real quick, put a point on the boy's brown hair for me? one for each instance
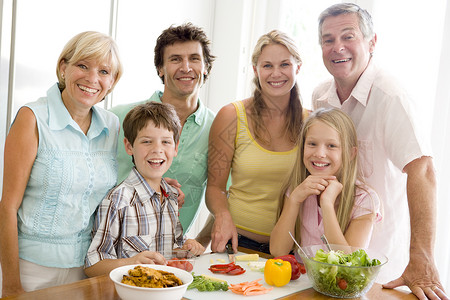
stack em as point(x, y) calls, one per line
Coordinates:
point(161, 114)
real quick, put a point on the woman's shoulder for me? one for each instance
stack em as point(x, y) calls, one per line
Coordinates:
point(227, 112)
point(230, 109)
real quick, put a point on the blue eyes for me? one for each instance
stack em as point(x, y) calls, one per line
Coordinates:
point(311, 144)
point(266, 66)
point(84, 67)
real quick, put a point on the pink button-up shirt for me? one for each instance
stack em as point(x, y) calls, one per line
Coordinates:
point(366, 202)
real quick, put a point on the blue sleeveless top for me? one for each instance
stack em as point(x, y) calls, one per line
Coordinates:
point(70, 176)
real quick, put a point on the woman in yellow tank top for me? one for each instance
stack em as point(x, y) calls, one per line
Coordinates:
point(256, 140)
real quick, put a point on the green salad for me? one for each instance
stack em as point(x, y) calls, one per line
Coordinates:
point(345, 277)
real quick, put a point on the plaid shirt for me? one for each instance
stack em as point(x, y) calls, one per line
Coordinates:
point(131, 219)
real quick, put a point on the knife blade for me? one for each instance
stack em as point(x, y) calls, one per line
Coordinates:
point(230, 252)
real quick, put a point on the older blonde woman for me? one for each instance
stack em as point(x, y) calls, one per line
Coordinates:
point(59, 164)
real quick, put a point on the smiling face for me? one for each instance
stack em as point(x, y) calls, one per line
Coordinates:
point(183, 69)
point(153, 151)
point(87, 83)
point(276, 70)
point(322, 150)
point(345, 52)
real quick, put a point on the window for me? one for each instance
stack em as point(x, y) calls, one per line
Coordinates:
point(40, 37)
point(299, 20)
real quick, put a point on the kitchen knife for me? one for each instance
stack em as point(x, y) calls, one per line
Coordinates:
point(230, 252)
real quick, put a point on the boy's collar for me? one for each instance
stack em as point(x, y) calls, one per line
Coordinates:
point(163, 192)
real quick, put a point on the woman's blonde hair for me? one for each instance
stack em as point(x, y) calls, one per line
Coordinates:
point(294, 111)
point(91, 45)
point(348, 173)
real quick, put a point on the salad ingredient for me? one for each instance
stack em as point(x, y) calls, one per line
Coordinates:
point(180, 263)
point(207, 284)
point(249, 288)
point(277, 272)
point(302, 269)
point(296, 269)
point(230, 269)
point(236, 271)
point(340, 275)
point(257, 266)
point(358, 258)
point(342, 284)
point(247, 257)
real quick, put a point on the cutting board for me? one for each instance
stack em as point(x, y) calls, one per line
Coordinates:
point(203, 262)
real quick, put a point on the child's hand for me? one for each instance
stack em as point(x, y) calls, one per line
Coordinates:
point(312, 185)
point(149, 257)
point(195, 247)
point(331, 192)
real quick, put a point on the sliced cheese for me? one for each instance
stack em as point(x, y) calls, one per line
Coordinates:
point(247, 257)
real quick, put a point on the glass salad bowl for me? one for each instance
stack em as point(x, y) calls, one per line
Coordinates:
point(342, 272)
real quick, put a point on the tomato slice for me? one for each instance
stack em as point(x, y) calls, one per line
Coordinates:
point(302, 268)
point(342, 284)
point(189, 267)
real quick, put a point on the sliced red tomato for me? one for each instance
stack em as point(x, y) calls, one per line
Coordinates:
point(302, 269)
point(342, 284)
point(180, 263)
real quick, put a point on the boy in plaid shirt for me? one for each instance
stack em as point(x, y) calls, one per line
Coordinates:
point(138, 219)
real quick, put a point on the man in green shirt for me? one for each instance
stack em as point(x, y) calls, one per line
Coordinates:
point(183, 61)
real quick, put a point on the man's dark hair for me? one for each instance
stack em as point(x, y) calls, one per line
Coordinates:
point(183, 33)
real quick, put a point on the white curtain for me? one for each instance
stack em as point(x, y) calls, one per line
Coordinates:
point(441, 147)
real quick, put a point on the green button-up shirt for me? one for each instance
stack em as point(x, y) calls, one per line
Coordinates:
point(189, 167)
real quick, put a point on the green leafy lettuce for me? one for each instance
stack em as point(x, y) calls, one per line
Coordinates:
point(344, 277)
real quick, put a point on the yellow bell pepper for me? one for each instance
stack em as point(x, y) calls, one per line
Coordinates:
point(277, 272)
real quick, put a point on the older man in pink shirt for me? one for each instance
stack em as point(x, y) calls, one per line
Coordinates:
point(396, 161)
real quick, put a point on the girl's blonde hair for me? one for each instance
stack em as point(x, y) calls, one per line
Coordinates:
point(294, 112)
point(91, 45)
point(348, 173)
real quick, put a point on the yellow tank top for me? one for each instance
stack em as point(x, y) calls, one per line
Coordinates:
point(257, 176)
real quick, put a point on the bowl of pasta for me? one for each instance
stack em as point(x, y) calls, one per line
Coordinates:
point(156, 282)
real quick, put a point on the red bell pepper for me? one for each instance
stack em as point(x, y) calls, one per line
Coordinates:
point(230, 269)
point(296, 266)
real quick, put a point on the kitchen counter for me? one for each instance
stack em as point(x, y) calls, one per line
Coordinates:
point(101, 287)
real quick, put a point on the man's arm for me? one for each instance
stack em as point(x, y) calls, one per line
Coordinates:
point(421, 274)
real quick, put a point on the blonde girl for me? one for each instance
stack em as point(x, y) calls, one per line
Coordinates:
point(324, 194)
